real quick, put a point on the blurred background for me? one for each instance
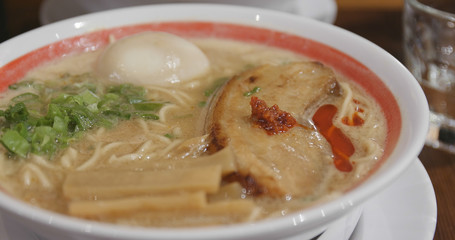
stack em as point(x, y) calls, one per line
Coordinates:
point(379, 21)
point(18, 16)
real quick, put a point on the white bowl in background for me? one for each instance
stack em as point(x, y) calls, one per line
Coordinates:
point(56, 10)
point(377, 71)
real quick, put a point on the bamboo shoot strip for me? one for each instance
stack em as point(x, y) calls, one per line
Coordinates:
point(224, 157)
point(114, 207)
point(117, 183)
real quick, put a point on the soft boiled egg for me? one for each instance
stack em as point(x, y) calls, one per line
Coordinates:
point(152, 58)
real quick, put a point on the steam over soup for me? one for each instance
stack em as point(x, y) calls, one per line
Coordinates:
point(258, 132)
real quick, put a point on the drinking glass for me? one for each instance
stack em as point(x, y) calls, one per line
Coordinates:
point(429, 53)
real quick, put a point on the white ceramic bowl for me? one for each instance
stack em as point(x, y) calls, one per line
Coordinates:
point(377, 71)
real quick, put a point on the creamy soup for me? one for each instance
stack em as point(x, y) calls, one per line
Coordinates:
point(149, 159)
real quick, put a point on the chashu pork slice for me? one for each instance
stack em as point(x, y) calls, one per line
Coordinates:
point(292, 163)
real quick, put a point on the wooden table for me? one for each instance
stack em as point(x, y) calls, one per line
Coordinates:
point(380, 25)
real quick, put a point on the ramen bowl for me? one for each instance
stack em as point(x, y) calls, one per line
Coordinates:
point(381, 75)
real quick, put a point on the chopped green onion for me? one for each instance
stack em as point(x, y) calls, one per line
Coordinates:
point(120, 114)
point(17, 113)
point(147, 106)
point(149, 116)
point(253, 91)
point(44, 122)
point(25, 97)
point(169, 135)
point(20, 85)
point(88, 97)
point(202, 104)
point(44, 140)
point(15, 143)
point(133, 94)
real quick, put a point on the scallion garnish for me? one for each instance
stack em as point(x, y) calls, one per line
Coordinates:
point(43, 123)
point(253, 91)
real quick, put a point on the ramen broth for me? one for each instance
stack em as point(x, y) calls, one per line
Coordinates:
point(176, 142)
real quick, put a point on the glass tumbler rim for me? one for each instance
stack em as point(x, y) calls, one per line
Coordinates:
point(431, 10)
